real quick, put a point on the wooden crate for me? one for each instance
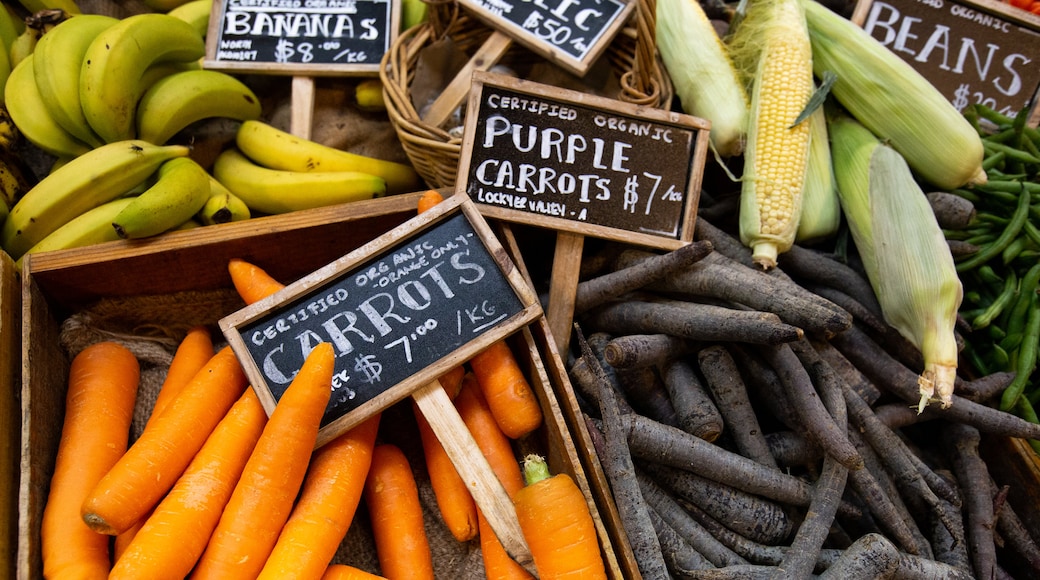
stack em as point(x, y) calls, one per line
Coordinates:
point(10, 339)
point(173, 271)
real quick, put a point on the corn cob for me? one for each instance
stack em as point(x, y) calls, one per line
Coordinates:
point(702, 73)
point(895, 102)
point(821, 209)
point(903, 250)
point(772, 43)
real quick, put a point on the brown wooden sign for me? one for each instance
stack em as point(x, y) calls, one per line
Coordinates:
point(400, 311)
point(570, 33)
point(570, 161)
point(981, 51)
point(301, 37)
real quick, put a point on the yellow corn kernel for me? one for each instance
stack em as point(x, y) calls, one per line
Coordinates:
point(903, 250)
point(773, 42)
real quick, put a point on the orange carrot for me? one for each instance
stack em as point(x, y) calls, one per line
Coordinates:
point(331, 493)
point(498, 450)
point(251, 281)
point(149, 468)
point(271, 479)
point(345, 572)
point(557, 524)
point(506, 390)
point(428, 199)
point(392, 498)
point(99, 406)
point(497, 563)
point(171, 540)
point(193, 352)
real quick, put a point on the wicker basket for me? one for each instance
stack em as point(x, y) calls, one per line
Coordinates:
point(434, 151)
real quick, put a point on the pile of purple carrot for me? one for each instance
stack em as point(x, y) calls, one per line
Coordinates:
point(760, 424)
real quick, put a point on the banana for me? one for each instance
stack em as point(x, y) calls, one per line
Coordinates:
point(30, 115)
point(196, 13)
point(180, 99)
point(117, 58)
point(163, 5)
point(93, 226)
point(70, 7)
point(368, 94)
point(271, 147)
point(58, 60)
point(179, 193)
point(16, 179)
point(5, 71)
point(9, 28)
point(9, 133)
point(272, 191)
point(24, 44)
point(222, 206)
point(97, 176)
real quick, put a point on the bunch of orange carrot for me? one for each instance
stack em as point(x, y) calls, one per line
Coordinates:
point(215, 488)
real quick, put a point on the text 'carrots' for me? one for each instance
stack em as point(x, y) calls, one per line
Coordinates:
point(392, 498)
point(148, 470)
point(271, 479)
point(99, 405)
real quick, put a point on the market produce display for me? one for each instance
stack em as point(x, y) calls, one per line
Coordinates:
point(805, 390)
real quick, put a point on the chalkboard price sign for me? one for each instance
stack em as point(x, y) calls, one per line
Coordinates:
point(575, 162)
point(301, 37)
point(973, 51)
point(570, 33)
point(399, 311)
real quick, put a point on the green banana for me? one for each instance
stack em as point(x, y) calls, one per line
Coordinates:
point(24, 44)
point(5, 71)
point(116, 60)
point(222, 206)
point(180, 99)
point(196, 13)
point(85, 182)
point(271, 147)
point(178, 194)
point(273, 191)
point(30, 115)
point(69, 6)
point(58, 60)
point(9, 29)
point(93, 226)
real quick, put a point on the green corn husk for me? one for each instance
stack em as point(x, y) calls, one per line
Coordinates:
point(702, 73)
point(821, 209)
point(895, 102)
point(903, 250)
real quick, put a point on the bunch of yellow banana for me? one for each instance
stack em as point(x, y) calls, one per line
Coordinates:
point(95, 79)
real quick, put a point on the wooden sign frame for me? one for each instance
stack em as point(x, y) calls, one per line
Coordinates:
point(583, 105)
point(320, 37)
point(957, 59)
point(545, 29)
point(234, 324)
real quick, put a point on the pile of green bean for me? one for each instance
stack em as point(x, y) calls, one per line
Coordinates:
point(1001, 277)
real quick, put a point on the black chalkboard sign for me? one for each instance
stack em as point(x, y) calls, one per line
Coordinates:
point(301, 37)
point(575, 162)
point(973, 51)
point(400, 311)
point(570, 33)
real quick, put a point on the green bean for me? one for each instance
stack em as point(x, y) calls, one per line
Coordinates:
point(966, 194)
point(1011, 152)
point(993, 160)
point(1025, 357)
point(1032, 232)
point(1008, 186)
point(998, 305)
point(1026, 411)
point(989, 218)
point(1005, 238)
point(987, 275)
point(1001, 359)
point(981, 239)
point(1014, 249)
point(976, 360)
point(1003, 136)
point(1029, 284)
